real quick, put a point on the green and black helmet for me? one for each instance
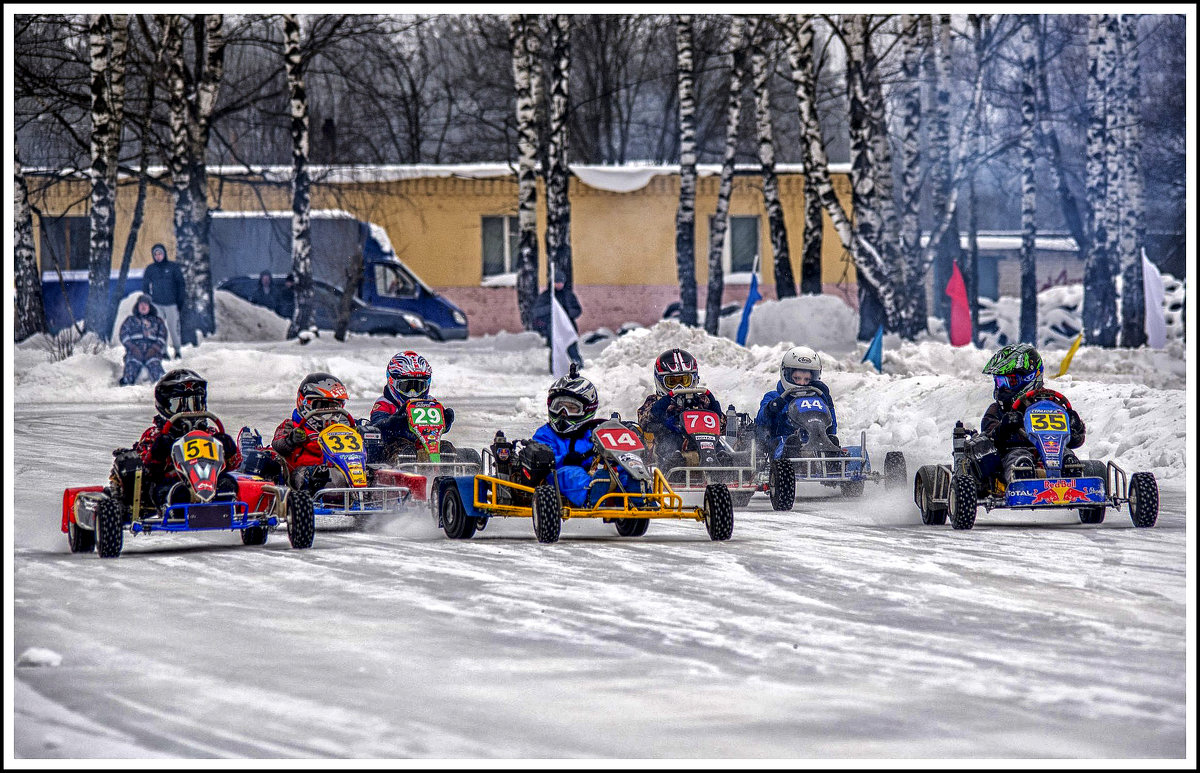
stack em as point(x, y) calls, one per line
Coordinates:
point(1017, 368)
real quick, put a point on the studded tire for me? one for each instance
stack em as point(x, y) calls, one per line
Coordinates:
point(110, 528)
point(1143, 499)
point(718, 512)
point(301, 522)
point(254, 535)
point(782, 484)
point(963, 501)
point(895, 470)
point(631, 527)
point(547, 514)
point(455, 522)
point(79, 539)
point(931, 514)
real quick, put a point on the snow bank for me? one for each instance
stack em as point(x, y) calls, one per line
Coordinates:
point(1133, 401)
point(38, 656)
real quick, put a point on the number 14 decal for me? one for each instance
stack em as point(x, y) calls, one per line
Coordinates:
point(619, 438)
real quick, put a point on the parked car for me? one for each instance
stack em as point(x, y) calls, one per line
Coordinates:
point(327, 299)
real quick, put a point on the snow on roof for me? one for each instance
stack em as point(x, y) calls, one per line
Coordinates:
point(1012, 241)
point(623, 178)
point(324, 214)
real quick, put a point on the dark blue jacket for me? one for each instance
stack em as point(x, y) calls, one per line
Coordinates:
point(391, 419)
point(671, 419)
point(163, 282)
point(772, 417)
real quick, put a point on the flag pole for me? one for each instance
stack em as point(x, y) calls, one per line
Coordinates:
point(550, 320)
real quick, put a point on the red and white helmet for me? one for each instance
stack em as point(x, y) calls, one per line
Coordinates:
point(408, 376)
point(319, 391)
point(673, 369)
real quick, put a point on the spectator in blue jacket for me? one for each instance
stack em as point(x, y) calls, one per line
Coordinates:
point(800, 368)
point(144, 336)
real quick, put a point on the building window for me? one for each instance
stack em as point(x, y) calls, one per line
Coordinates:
point(65, 242)
point(500, 238)
point(741, 245)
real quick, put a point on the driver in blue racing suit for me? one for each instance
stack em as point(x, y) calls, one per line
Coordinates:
point(571, 404)
point(800, 367)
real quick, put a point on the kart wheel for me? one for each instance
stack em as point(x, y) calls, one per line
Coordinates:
point(853, 489)
point(631, 527)
point(1091, 515)
point(110, 528)
point(1143, 499)
point(782, 482)
point(963, 503)
point(931, 515)
point(469, 456)
point(718, 512)
point(895, 471)
point(741, 498)
point(547, 514)
point(254, 535)
point(455, 522)
point(301, 522)
point(81, 540)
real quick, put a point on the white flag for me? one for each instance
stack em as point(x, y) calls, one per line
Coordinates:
point(1156, 319)
point(562, 335)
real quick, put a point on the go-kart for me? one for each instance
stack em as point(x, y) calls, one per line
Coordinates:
point(705, 454)
point(413, 466)
point(1091, 486)
point(97, 517)
point(519, 481)
point(808, 455)
point(344, 486)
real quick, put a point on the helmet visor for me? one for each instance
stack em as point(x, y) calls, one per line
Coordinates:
point(799, 375)
point(416, 386)
point(567, 406)
point(1011, 381)
point(678, 380)
point(323, 403)
point(189, 401)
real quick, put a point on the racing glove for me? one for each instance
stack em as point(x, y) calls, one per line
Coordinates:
point(776, 405)
point(297, 436)
point(449, 414)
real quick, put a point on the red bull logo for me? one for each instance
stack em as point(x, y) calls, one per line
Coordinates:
point(1060, 492)
point(1050, 446)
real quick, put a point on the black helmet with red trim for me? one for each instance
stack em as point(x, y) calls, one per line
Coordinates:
point(673, 369)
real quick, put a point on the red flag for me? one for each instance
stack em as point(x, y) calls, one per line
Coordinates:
point(960, 310)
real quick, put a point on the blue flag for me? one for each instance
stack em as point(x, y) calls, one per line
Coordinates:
point(874, 353)
point(752, 298)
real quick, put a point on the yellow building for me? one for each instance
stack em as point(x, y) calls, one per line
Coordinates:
point(455, 227)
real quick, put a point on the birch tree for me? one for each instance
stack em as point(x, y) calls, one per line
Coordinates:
point(720, 218)
point(800, 59)
point(685, 217)
point(558, 174)
point(302, 268)
point(109, 37)
point(785, 283)
point(913, 42)
point(1099, 292)
point(1133, 229)
point(30, 312)
point(1028, 326)
point(1053, 149)
point(524, 46)
point(192, 98)
point(947, 245)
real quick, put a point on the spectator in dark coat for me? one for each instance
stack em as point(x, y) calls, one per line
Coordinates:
point(144, 336)
point(285, 305)
point(163, 281)
point(266, 294)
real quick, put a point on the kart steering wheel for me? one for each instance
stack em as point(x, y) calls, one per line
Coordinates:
point(1032, 396)
point(326, 412)
point(193, 418)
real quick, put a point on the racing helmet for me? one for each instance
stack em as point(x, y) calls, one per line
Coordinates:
point(318, 391)
point(408, 376)
point(798, 358)
point(180, 390)
point(572, 400)
point(1016, 369)
point(673, 369)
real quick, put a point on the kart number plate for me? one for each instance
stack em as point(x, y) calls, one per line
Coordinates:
point(1048, 421)
point(341, 440)
point(618, 439)
point(199, 448)
point(701, 422)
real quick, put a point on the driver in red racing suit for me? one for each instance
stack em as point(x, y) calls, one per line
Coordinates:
point(179, 391)
point(296, 440)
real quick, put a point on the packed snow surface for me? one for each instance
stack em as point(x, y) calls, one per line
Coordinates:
point(844, 629)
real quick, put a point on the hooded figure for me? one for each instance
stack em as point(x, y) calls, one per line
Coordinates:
point(144, 336)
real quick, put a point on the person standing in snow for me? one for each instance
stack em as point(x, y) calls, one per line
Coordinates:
point(144, 336)
point(163, 282)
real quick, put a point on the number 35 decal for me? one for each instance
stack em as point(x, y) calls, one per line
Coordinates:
point(1048, 422)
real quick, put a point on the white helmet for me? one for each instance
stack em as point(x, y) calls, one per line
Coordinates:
point(798, 358)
